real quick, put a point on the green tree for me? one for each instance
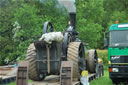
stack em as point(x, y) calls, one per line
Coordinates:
point(120, 16)
point(21, 21)
point(114, 10)
point(7, 46)
point(89, 20)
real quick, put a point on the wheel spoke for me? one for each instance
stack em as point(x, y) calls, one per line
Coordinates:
point(80, 50)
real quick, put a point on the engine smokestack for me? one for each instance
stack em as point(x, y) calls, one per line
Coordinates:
point(71, 7)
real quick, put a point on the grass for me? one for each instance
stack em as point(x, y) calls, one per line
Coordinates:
point(14, 83)
point(105, 80)
point(103, 54)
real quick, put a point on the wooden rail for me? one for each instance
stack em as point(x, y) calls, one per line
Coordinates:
point(7, 74)
point(22, 73)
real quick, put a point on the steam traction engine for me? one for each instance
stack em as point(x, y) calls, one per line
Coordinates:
point(45, 59)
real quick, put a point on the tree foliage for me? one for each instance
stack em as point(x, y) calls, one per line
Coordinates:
point(21, 22)
point(89, 21)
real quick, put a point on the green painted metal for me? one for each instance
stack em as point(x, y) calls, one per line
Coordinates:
point(115, 27)
point(113, 51)
point(119, 63)
point(117, 51)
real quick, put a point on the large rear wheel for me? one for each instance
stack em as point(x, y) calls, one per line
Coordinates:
point(76, 54)
point(31, 58)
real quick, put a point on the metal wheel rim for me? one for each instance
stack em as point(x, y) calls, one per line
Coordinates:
point(81, 58)
point(95, 59)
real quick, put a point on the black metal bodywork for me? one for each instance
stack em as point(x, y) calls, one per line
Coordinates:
point(121, 59)
point(123, 72)
point(121, 76)
point(55, 57)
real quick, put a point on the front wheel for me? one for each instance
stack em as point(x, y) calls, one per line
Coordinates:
point(92, 61)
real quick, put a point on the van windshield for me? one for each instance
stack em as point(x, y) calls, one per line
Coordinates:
point(118, 38)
